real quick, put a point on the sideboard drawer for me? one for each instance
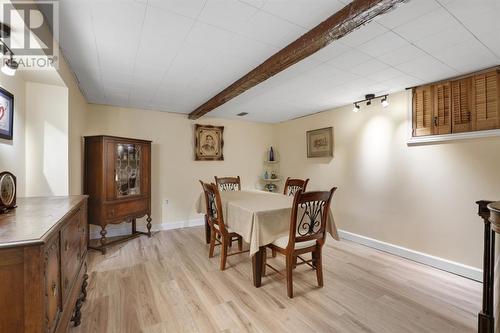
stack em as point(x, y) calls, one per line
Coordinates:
point(52, 285)
point(71, 252)
point(124, 209)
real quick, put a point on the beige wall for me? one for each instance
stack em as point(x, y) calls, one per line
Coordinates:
point(46, 140)
point(77, 123)
point(175, 174)
point(12, 153)
point(419, 197)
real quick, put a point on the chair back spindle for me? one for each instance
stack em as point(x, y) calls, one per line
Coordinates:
point(228, 183)
point(292, 185)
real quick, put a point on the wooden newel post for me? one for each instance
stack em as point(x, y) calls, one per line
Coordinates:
point(486, 319)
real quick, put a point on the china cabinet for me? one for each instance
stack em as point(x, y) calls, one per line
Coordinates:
point(118, 182)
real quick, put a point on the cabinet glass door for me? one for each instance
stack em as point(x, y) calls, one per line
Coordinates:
point(128, 170)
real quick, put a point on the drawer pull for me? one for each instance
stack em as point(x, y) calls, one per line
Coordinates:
point(54, 289)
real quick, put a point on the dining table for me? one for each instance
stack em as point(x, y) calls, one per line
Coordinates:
point(260, 217)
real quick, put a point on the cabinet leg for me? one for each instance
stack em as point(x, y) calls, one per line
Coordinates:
point(77, 316)
point(103, 239)
point(84, 287)
point(134, 226)
point(148, 225)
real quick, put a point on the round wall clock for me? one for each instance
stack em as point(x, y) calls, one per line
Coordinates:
point(7, 191)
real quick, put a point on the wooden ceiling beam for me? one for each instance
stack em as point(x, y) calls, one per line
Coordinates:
point(352, 16)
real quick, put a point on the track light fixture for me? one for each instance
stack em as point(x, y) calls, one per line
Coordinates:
point(368, 99)
point(9, 66)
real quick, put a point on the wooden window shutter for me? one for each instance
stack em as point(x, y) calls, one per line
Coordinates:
point(485, 94)
point(442, 108)
point(461, 105)
point(422, 111)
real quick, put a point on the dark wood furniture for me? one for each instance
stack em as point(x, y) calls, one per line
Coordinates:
point(219, 233)
point(228, 183)
point(307, 234)
point(43, 250)
point(464, 104)
point(118, 182)
point(489, 211)
point(224, 184)
point(292, 185)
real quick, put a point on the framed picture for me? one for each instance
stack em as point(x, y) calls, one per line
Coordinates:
point(209, 143)
point(320, 142)
point(6, 114)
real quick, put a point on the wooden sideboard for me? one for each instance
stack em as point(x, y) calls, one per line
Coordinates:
point(43, 249)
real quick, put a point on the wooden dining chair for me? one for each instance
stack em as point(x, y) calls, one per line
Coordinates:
point(292, 185)
point(307, 233)
point(220, 234)
point(228, 183)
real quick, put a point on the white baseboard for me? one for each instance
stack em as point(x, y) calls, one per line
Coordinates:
point(182, 224)
point(423, 258)
point(125, 228)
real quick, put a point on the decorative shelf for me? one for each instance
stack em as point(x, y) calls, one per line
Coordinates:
point(271, 179)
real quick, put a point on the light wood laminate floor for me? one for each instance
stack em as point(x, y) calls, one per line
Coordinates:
point(168, 284)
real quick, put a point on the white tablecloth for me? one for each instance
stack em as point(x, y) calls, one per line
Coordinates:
point(259, 217)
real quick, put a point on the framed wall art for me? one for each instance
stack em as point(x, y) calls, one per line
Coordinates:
point(320, 142)
point(209, 143)
point(6, 114)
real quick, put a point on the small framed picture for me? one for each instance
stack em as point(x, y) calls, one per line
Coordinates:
point(320, 142)
point(209, 143)
point(6, 114)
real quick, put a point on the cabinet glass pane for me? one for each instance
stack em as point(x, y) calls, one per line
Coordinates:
point(128, 170)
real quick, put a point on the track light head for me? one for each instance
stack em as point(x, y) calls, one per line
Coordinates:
point(356, 107)
point(384, 102)
point(10, 66)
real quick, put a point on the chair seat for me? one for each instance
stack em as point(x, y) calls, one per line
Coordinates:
point(216, 226)
point(282, 242)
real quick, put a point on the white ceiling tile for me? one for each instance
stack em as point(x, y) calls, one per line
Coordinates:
point(384, 43)
point(427, 68)
point(303, 12)
point(189, 8)
point(406, 12)
point(162, 35)
point(368, 67)
point(349, 59)
point(117, 48)
point(384, 74)
point(271, 29)
point(331, 51)
point(401, 55)
point(227, 14)
point(491, 41)
point(426, 25)
point(445, 39)
point(467, 56)
point(255, 3)
point(363, 34)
